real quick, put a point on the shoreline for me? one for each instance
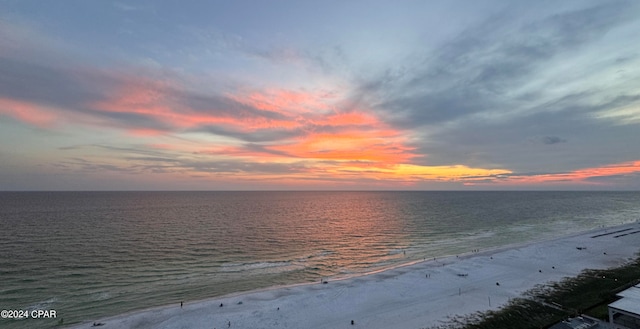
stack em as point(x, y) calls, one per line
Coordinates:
point(417, 294)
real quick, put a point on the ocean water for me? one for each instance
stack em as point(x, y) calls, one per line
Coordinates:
point(88, 255)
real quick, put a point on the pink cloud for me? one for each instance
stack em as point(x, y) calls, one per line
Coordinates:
point(30, 113)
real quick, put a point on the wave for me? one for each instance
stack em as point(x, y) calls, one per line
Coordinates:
point(262, 267)
point(41, 305)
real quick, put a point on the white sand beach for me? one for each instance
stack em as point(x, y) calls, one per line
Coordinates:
point(420, 295)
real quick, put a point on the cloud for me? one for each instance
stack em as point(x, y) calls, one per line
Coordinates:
point(27, 112)
point(49, 85)
point(299, 124)
point(595, 175)
point(496, 104)
point(481, 98)
point(119, 100)
point(486, 67)
point(550, 140)
point(140, 159)
point(255, 136)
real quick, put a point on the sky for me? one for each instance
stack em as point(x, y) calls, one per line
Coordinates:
point(319, 95)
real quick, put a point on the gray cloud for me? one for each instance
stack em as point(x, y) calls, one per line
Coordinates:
point(243, 167)
point(550, 140)
point(140, 159)
point(263, 135)
point(263, 149)
point(213, 104)
point(517, 145)
point(481, 68)
point(45, 84)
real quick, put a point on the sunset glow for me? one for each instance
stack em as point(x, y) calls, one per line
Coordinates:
point(501, 96)
point(583, 176)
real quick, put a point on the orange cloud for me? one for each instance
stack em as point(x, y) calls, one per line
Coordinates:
point(580, 176)
point(610, 170)
point(411, 173)
point(330, 140)
point(286, 102)
point(355, 136)
point(341, 146)
point(355, 145)
point(243, 152)
point(444, 173)
point(347, 119)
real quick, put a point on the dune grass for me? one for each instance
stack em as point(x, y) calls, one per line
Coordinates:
point(588, 293)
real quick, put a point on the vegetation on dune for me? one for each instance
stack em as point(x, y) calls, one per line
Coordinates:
point(588, 293)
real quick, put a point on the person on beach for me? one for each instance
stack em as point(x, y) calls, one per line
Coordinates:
point(181, 304)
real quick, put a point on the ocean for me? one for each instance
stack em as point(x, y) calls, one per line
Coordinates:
point(89, 255)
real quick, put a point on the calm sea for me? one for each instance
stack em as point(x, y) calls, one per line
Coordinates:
point(93, 254)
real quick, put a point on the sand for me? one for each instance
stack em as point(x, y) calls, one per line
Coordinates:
point(420, 295)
